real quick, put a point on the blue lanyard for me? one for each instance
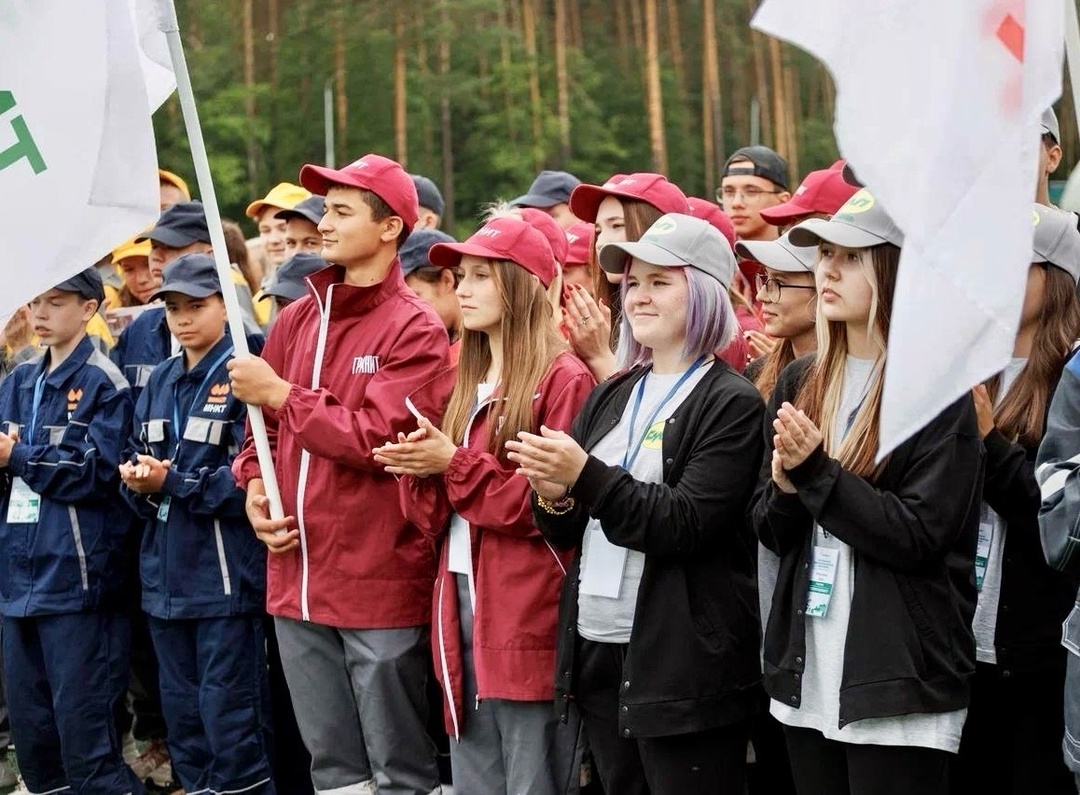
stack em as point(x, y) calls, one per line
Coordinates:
point(39, 387)
point(202, 387)
point(632, 449)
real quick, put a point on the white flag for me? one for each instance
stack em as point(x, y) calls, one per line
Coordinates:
point(937, 111)
point(78, 166)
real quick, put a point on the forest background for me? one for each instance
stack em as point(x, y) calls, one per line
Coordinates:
point(480, 95)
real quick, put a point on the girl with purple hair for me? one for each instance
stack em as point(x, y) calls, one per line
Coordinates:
point(658, 622)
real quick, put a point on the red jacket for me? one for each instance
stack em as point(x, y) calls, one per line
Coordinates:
point(352, 354)
point(518, 576)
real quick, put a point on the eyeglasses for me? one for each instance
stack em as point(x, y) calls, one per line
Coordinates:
point(750, 194)
point(772, 288)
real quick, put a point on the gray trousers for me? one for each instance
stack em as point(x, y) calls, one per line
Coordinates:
point(360, 703)
point(506, 746)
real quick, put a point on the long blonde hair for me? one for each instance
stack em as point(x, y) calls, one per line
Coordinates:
point(530, 343)
point(821, 392)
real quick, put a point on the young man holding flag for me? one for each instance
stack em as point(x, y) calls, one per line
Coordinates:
point(349, 581)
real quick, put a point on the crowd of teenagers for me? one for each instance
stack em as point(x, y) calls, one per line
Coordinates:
point(589, 502)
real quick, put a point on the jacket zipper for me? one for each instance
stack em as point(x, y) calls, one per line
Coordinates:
point(448, 682)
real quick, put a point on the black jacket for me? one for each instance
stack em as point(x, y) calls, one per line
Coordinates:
point(1034, 599)
point(910, 647)
point(692, 662)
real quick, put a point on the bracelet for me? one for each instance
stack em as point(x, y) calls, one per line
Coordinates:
point(558, 508)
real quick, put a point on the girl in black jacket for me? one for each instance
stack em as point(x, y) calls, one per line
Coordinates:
point(658, 627)
point(1016, 714)
point(868, 649)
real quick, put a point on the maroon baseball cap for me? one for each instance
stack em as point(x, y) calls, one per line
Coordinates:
point(823, 191)
point(501, 238)
point(380, 175)
point(708, 211)
point(580, 238)
point(549, 228)
point(644, 186)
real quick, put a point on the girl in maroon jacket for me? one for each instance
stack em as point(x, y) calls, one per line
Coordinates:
point(496, 597)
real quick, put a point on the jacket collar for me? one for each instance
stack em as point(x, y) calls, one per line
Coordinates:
point(200, 370)
point(58, 377)
point(349, 299)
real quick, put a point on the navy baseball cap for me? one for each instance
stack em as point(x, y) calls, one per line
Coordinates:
point(758, 161)
point(428, 195)
point(180, 225)
point(414, 252)
point(310, 209)
point(289, 280)
point(87, 284)
point(548, 189)
point(194, 275)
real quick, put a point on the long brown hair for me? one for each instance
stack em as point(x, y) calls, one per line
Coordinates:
point(820, 394)
point(530, 343)
point(772, 365)
point(1022, 411)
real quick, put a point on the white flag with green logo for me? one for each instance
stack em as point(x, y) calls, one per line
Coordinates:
point(78, 165)
point(937, 110)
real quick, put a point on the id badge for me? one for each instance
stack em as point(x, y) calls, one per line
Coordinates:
point(986, 540)
point(604, 566)
point(24, 506)
point(163, 510)
point(822, 579)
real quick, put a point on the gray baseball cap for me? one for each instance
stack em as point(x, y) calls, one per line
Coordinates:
point(676, 241)
point(862, 222)
point(1049, 122)
point(780, 254)
point(1057, 239)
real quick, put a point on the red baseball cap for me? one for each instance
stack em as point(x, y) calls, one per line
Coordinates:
point(708, 211)
point(823, 191)
point(580, 239)
point(380, 175)
point(549, 228)
point(644, 186)
point(501, 238)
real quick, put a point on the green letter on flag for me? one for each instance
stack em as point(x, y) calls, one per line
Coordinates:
point(25, 147)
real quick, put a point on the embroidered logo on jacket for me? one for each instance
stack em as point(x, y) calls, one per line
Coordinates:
point(368, 365)
point(74, 396)
point(216, 400)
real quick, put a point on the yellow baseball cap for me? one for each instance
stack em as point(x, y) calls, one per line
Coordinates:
point(129, 248)
point(284, 196)
point(176, 181)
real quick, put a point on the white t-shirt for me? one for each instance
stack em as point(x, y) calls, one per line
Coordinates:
point(991, 529)
point(610, 619)
point(826, 638)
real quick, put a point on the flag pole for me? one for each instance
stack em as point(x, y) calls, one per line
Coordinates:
point(171, 28)
point(1072, 54)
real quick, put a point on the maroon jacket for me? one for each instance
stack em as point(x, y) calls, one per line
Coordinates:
point(518, 576)
point(352, 354)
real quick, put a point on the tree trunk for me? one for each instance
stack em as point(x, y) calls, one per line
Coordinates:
point(505, 23)
point(274, 30)
point(536, 108)
point(654, 103)
point(622, 38)
point(793, 113)
point(682, 91)
point(341, 101)
point(249, 94)
point(445, 127)
point(779, 101)
point(761, 80)
point(562, 81)
point(711, 124)
point(401, 116)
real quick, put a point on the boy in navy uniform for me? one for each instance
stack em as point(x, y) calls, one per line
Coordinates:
point(62, 526)
point(203, 571)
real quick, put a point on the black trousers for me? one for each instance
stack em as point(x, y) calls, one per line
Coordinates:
point(1012, 738)
point(709, 762)
point(829, 767)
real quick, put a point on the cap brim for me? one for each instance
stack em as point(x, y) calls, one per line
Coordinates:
point(318, 179)
point(448, 255)
point(770, 254)
point(613, 256)
point(783, 214)
point(184, 288)
point(534, 200)
point(812, 232)
point(168, 237)
point(285, 215)
point(286, 293)
point(585, 201)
